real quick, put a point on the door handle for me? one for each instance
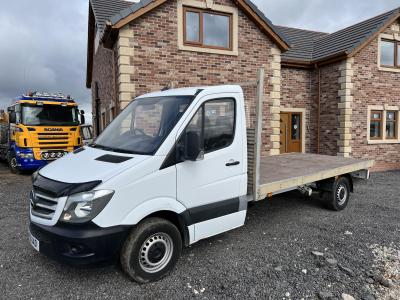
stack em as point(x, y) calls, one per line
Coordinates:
point(232, 163)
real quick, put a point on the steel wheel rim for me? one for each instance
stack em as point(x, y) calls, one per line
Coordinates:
point(156, 252)
point(341, 195)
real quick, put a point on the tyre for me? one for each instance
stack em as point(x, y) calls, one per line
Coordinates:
point(151, 250)
point(340, 194)
point(12, 163)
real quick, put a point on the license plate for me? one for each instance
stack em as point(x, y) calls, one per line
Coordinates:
point(34, 242)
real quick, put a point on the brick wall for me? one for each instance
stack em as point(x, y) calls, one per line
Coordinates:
point(298, 91)
point(329, 113)
point(103, 77)
point(147, 58)
point(157, 61)
point(373, 87)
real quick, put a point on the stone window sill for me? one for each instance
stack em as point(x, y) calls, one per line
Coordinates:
point(208, 50)
point(383, 142)
point(393, 70)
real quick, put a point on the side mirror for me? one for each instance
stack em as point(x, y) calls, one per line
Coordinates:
point(82, 115)
point(193, 150)
point(13, 117)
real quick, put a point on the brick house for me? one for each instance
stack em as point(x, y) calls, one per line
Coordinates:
point(332, 94)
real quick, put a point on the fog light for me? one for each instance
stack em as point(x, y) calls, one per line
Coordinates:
point(76, 249)
point(67, 217)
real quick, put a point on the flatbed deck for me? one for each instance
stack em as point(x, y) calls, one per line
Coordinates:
point(286, 172)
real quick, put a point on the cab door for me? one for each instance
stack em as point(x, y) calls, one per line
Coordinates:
point(210, 186)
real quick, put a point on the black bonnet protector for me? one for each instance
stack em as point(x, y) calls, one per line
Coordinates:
point(62, 189)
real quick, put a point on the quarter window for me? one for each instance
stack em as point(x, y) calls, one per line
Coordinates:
point(207, 29)
point(376, 125)
point(390, 54)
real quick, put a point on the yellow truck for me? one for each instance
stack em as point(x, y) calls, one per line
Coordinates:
point(39, 128)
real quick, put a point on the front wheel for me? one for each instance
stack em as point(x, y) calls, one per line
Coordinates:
point(340, 194)
point(12, 162)
point(151, 250)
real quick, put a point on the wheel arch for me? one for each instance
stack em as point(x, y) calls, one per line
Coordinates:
point(350, 179)
point(175, 219)
point(166, 208)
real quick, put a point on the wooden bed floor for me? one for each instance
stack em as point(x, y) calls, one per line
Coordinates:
point(288, 170)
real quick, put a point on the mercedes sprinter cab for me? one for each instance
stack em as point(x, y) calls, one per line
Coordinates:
point(169, 171)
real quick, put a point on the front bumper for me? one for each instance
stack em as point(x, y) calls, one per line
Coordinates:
point(80, 245)
point(25, 164)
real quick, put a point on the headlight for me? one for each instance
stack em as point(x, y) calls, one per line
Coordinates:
point(83, 207)
point(25, 155)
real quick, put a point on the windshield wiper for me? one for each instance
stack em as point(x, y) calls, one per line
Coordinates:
point(97, 146)
point(106, 148)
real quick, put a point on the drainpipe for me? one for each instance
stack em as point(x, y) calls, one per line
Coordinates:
point(116, 104)
point(117, 107)
point(318, 109)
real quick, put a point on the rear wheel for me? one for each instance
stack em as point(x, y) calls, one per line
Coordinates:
point(12, 162)
point(151, 250)
point(340, 195)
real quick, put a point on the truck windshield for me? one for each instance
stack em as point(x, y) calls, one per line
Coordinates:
point(49, 115)
point(143, 125)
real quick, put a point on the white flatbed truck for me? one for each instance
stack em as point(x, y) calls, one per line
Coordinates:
point(173, 168)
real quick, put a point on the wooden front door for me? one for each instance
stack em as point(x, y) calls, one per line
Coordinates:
point(291, 132)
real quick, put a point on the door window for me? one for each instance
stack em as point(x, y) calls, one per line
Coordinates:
point(215, 124)
point(219, 124)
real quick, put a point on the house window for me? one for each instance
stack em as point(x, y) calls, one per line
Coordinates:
point(383, 126)
point(376, 125)
point(206, 29)
point(398, 54)
point(391, 125)
point(390, 54)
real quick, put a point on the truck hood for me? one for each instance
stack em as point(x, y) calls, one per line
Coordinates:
point(89, 164)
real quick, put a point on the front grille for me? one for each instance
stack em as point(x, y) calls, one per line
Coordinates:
point(53, 154)
point(42, 205)
point(54, 138)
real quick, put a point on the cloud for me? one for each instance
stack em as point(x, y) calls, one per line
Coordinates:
point(323, 15)
point(45, 48)
point(44, 41)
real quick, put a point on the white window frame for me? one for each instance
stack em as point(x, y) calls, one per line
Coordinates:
point(384, 109)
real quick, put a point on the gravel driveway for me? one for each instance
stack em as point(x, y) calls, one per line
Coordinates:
point(290, 248)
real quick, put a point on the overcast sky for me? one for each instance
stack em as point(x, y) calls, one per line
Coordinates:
point(43, 42)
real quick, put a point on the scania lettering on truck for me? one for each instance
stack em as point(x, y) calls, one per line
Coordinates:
point(170, 170)
point(40, 128)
